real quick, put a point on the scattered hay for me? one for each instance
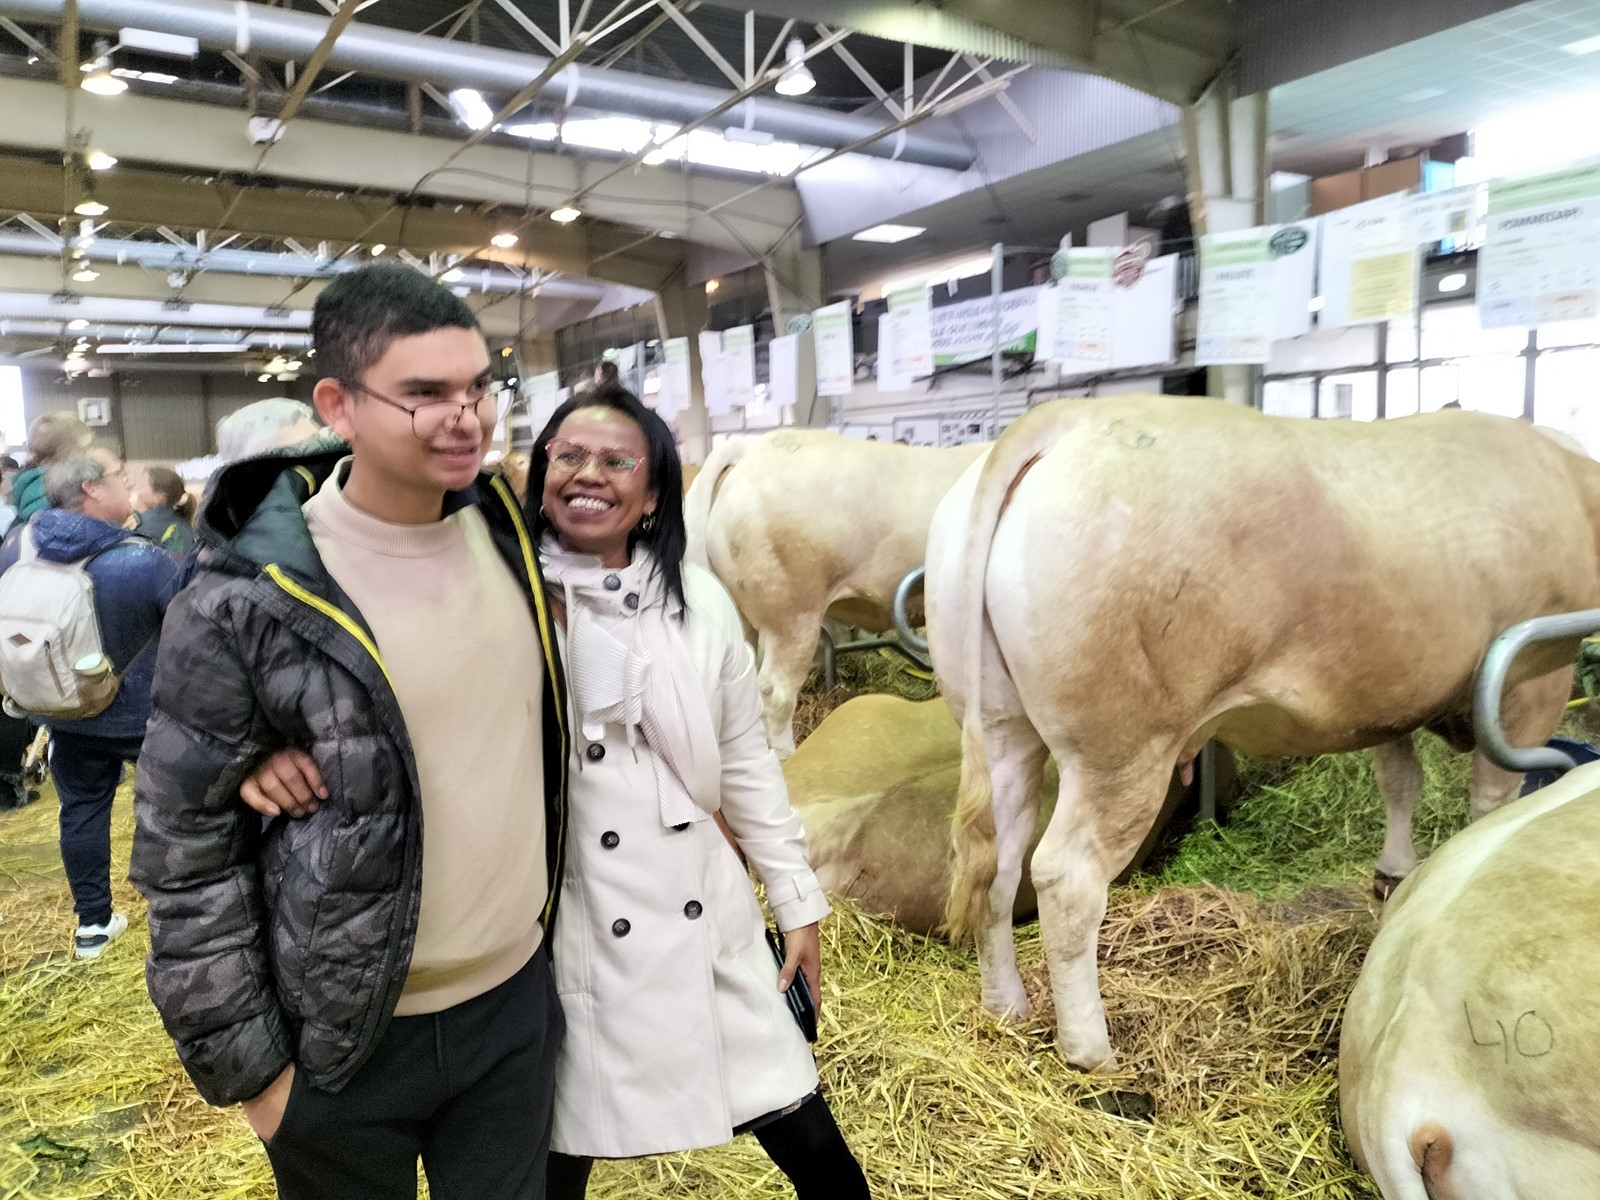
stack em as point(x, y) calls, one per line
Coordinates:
point(1224, 1007)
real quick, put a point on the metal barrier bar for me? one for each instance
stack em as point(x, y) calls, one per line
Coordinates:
point(909, 637)
point(1491, 684)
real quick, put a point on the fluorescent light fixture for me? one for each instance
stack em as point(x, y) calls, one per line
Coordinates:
point(565, 215)
point(505, 239)
point(1316, 304)
point(99, 160)
point(750, 137)
point(889, 234)
point(798, 79)
point(1586, 45)
point(172, 348)
point(86, 274)
point(263, 378)
point(471, 109)
point(378, 249)
point(90, 208)
point(77, 323)
point(172, 45)
point(97, 76)
point(453, 275)
point(1453, 283)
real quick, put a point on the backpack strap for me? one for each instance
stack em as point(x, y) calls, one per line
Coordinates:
point(26, 550)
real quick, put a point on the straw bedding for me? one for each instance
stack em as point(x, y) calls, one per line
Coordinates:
point(1224, 1006)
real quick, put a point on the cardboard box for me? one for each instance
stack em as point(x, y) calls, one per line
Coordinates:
point(1386, 179)
point(1335, 191)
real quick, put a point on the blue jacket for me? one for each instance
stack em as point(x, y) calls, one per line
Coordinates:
point(133, 582)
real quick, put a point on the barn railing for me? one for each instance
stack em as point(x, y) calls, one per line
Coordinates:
point(1491, 686)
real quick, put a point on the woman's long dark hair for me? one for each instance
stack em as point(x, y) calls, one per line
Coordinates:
point(168, 484)
point(667, 538)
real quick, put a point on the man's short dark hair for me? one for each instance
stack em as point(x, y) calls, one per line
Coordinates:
point(359, 315)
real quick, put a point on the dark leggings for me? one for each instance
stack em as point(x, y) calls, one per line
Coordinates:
point(806, 1145)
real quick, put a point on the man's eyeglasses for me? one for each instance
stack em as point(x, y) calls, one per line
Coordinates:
point(433, 417)
point(570, 458)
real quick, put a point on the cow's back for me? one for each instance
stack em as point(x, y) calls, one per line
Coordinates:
point(1292, 586)
point(811, 517)
point(1471, 1043)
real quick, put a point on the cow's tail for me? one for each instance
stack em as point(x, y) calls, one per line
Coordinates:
point(697, 504)
point(972, 828)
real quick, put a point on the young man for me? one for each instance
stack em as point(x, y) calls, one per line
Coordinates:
point(369, 982)
point(89, 500)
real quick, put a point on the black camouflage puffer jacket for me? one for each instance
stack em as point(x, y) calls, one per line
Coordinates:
point(291, 943)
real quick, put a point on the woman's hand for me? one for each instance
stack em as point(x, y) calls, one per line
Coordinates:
point(803, 952)
point(288, 782)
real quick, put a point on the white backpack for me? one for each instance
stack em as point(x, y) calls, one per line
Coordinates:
point(52, 662)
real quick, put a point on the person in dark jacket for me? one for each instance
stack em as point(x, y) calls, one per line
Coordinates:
point(372, 996)
point(89, 500)
point(51, 438)
point(165, 511)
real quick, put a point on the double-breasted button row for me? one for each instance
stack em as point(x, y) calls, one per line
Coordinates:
point(631, 600)
point(613, 583)
point(620, 927)
point(609, 839)
point(692, 910)
point(595, 752)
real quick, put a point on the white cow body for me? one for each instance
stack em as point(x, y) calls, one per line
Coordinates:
point(803, 525)
point(1125, 578)
point(1469, 1063)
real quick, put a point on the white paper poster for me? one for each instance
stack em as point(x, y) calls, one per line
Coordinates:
point(674, 395)
point(713, 373)
point(783, 372)
point(892, 375)
point(1541, 256)
point(911, 314)
point(1082, 341)
point(739, 364)
point(1369, 263)
point(1143, 329)
point(1440, 216)
point(964, 331)
point(834, 340)
point(1237, 298)
point(543, 393)
point(1045, 345)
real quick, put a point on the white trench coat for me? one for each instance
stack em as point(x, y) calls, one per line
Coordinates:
point(676, 1032)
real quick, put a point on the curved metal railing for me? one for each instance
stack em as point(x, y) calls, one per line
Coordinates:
point(1491, 684)
point(902, 622)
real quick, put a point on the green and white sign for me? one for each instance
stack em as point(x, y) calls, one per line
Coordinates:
point(1541, 256)
point(834, 342)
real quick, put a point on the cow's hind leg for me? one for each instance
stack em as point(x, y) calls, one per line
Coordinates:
point(1530, 713)
point(1101, 817)
point(1015, 757)
point(786, 654)
point(1400, 784)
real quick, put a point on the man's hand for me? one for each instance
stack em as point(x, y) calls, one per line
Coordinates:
point(288, 782)
point(265, 1112)
point(803, 952)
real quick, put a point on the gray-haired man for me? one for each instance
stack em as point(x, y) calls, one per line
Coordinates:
point(133, 581)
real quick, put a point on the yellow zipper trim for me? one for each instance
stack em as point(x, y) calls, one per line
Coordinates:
point(311, 480)
point(341, 618)
point(530, 565)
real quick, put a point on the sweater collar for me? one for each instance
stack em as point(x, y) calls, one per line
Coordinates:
point(350, 525)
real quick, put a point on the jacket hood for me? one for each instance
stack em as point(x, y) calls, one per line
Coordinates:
point(27, 493)
point(63, 536)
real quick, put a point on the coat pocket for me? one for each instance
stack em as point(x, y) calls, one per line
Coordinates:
point(569, 950)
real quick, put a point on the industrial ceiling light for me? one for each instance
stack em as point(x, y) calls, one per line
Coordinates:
point(798, 79)
point(471, 109)
point(263, 378)
point(90, 208)
point(77, 323)
point(86, 274)
point(505, 239)
point(889, 234)
point(99, 160)
point(453, 275)
point(565, 215)
point(377, 249)
point(97, 76)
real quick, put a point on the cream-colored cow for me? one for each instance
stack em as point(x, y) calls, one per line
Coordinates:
point(1124, 578)
point(804, 524)
point(1469, 1064)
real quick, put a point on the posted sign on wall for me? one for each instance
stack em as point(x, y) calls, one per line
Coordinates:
point(1541, 256)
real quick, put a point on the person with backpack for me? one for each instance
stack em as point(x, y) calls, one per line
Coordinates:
point(81, 604)
point(166, 510)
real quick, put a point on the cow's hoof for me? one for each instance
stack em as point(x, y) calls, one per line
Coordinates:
point(1384, 884)
point(1009, 1007)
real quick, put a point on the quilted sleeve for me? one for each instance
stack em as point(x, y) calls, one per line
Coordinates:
point(194, 858)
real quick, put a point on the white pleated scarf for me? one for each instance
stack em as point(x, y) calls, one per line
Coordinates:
point(632, 668)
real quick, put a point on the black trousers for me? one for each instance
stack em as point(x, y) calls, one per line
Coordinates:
point(806, 1145)
point(87, 771)
point(470, 1091)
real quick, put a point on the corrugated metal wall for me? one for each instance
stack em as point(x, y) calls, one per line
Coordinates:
point(1284, 40)
point(156, 416)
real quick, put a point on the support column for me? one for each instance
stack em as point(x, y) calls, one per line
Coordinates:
point(795, 288)
point(1225, 136)
point(681, 312)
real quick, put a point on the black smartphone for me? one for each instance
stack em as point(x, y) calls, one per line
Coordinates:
point(799, 994)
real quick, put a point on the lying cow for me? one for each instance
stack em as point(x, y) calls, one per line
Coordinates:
point(800, 525)
point(875, 787)
point(1469, 1065)
point(1124, 578)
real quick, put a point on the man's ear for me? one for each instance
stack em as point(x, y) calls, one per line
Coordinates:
point(334, 403)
